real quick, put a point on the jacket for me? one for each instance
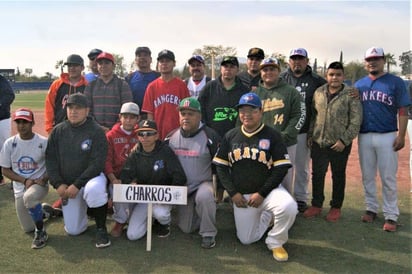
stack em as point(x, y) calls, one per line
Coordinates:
point(6, 98)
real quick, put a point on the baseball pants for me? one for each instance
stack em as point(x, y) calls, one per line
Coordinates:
point(92, 195)
point(200, 212)
point(251, 223)
point(120, 210)
point(287, 181)
point(376, 153)
point(25, 199)
point(301, 167)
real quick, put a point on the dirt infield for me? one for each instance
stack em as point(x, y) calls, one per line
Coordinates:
point(354, 181)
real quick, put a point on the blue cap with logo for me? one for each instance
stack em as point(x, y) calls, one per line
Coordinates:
point(249, 99)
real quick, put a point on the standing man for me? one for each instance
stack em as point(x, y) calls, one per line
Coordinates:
point(163, 95)
point(108, 93)
point(75, 160)
point(22, 159)
point(251, 77)
point(6, 99)
point(71, 82)
point(306, 81)
point(195, 145)
point(335, 122)
point(94, 73)
point(385, 102)
point(198, 78)
point(283, 109)
point(142, 77)
point(251, 162)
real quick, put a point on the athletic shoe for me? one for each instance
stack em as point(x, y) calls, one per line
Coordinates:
point(117, 230)
point(102, 238)
point(40, 239)
point(208, 242)
point(50, 212)
point(57, 203)
point(302, 206)
point(333, 215)
point(312, 211)
point(390, 225)
point(162, 231)
point(280, 254)
point(368, 217)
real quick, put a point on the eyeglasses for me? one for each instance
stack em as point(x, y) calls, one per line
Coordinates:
point(146, 133)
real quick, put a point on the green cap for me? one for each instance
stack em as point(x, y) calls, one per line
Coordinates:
point(189, 103)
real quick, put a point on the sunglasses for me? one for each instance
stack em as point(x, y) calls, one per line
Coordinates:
point(146, 133)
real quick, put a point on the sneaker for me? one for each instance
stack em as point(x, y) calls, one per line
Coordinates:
point(280, 254)
point(162, 231)
point(117, 230)
point(390, 225)
point(102, 238)
point(50, 212)
point(57, 204)
point(333, 215)
point(40, 239)
point(208, 242)
point(302, 206)
point(312, 211)
point(368, 217)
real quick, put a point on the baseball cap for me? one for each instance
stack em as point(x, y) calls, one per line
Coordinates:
point(74, 59)
point(374, 52)
point(166, 54)
point(198, 58)
point(269, 62)
point(256, 52)
point(131, 108)
point(298, 51)
point(77, 99)
point(23, 114)
point(105, 55)
point(94, 53)
point(142, 49)
point(229, 60)
point(189, 103)
point(249, 99)
point(146, 125)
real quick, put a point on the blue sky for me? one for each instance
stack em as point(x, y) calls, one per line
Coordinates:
point(37, 34)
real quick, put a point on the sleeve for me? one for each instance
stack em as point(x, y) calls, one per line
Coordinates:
point(108, 168)
point(223, 169)
point(203, 101)
point(7, 93)
point(5, 154)
point(312, 116)
point(128, 173)
point(52, 161)
point(354, 121)
point(147, 105)
point(126, 92)
point(49, 106)
point(88, 93)
point(297, 117)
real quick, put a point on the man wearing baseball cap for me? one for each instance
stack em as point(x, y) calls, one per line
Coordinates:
point(94, 73)
point(142, 77)
point(23, 161)
point(385, 102)
point(107, 93)
point(301, 76)
point(76, 154)
point(251, 162)
point(198, 78)
point(163, 95)
point(195, 144)
point(251, 77)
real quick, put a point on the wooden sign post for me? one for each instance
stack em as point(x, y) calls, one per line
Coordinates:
point(150, 194)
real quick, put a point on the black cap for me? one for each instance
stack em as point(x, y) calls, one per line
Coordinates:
point(77, 99)
point(166, 54)
point(256, 52)
point(229, 60)
point(93, 53)
point(142, 49)
point(146, 125)
point(74, 59)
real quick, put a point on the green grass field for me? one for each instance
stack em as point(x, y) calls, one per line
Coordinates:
point(33, 100)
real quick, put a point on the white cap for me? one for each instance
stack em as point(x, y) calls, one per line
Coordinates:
point(131, 108)
point(374, 52)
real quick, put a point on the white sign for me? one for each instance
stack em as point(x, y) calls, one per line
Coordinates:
point(156, 194)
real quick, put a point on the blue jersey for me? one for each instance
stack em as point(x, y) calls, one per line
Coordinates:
point(381, 99)
point(138, 82)
point(91, 76)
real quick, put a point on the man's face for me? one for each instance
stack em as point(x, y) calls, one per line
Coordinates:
point(166, 65)
point(252, 64)
point(335, 78)
point(196, 70)
point(128, 121)
point(143, 60)
point(189, 120)
point(270, 75)
point(298, 63)
point(76, 114)
point(74, 70)
point(375, 65)
point(93, 65)
point(105, 67)
point(250, 117)
point(229, 71)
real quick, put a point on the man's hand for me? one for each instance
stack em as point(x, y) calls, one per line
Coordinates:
point(61, 190)
point(255, 200)
point(399, 143)
point(338, 146)
point(239, 200)
point(72, 191)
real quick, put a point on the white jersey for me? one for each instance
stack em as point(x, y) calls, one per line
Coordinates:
point(194, 88)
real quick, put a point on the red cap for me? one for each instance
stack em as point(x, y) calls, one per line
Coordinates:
point(105, 55)
point(23, 114)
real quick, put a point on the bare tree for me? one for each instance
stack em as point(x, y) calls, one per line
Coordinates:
point(213, 54)
point(59, 65)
